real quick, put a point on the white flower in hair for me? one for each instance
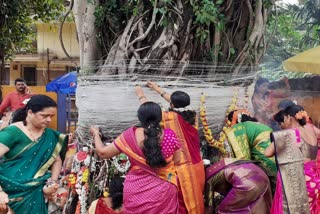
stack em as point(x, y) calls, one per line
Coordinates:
point(26, 101)
point(187, 108)
point(239, 117)
point(206, 162)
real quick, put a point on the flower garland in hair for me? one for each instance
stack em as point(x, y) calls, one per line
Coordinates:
point(218, 144)
point(302, 114)
point(187, 108)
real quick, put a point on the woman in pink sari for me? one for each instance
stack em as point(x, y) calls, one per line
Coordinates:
point(298, 143)
point(151, 184)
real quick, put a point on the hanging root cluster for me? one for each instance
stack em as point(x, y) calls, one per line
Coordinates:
point(162, 32)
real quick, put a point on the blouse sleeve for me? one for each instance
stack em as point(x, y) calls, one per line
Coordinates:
point(7, 136)
point(173, 138)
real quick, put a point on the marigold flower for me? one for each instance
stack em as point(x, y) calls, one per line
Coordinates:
point(302, 114)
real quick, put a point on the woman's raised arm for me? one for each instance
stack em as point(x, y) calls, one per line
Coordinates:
point(103, 151)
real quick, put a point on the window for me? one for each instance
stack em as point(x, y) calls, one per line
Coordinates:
point(29, 74)
point(5, 77)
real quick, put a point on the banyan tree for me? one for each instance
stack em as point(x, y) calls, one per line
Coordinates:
point(131, 35)
point(199, 46)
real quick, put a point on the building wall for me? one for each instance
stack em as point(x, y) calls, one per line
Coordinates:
point(48, 37)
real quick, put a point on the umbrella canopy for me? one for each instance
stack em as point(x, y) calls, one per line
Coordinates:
point(65, 84)
point(306, 62)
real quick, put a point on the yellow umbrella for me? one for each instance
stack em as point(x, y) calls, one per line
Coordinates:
point(306, 62)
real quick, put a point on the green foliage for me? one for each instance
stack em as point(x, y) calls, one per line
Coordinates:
point(285, 41)
point(17, 18)
point(207, 13)
point(112, 16)
point(298, 29)
point(277, 73)
point(309, 15)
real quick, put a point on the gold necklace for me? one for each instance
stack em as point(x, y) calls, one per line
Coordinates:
point(32, 137)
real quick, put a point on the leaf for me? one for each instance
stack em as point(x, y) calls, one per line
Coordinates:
point(219, 2)
point(232, 51)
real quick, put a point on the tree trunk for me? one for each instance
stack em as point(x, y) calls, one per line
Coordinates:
point(85, 23)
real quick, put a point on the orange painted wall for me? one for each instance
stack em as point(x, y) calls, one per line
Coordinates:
point(35, 90)
point(310, 103)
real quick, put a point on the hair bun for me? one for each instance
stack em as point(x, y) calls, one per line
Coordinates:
point(302, 115)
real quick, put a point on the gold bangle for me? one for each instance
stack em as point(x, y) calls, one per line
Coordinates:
point(163, 93)
point(142, 97)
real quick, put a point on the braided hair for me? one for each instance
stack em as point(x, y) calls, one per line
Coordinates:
point(150, 116)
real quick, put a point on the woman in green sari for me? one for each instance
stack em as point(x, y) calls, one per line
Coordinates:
point(31, 158)
point(249, 139)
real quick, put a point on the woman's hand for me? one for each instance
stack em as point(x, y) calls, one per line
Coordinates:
point(152, 85)
point(50, 191)
point(142, 98)
point(139, 91)
point(94, 130)
point(4, 200)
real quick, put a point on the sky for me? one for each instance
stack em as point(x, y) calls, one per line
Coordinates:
point(290, 1)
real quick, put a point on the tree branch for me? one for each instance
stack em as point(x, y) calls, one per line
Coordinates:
point(60, 32)
point(153, 21)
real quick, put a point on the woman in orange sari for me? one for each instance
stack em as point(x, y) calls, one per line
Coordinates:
point(188, 163)
point(151, 183)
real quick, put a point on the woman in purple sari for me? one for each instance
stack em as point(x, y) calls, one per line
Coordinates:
point(151, 184)
point(244, 186)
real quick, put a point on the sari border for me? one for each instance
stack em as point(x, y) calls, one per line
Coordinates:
point(261, 137)
point(22, 151)
point(25, 148)
point(237, 149)
point(55, 153)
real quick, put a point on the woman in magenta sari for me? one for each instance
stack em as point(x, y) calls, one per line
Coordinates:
point(297, 144)
point(151, 184)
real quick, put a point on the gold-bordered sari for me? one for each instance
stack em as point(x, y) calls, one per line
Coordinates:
point(188, 162)
point(24, 169)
